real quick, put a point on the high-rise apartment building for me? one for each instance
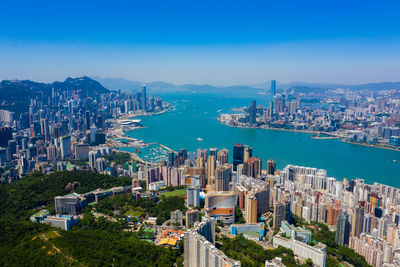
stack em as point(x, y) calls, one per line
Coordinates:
point(92, 159)
point(279, 214)
point(193, 196)
point(199, 250)
point(358, 221)
point(51, 153)
point(192, 216)
point(211, 164)
point(343, 228)
point(223, 177)
point(251, 209)
point(100, 164)
point(44, 127)
point(223, 156)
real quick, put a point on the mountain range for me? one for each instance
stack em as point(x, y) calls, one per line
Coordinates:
point(127, 85)
point(15, 95)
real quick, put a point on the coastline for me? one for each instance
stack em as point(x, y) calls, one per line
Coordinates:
point(376, 146)
point(315, 132)
point(120, 133)
point(134, 115)
point(271, 128)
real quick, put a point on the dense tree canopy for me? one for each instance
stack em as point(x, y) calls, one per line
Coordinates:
point(251, 254)
point(36, 190)
point(91, 243)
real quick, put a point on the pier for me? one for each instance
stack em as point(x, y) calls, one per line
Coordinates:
point(169, 149)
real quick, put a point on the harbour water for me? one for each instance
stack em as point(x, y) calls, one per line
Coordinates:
point(193, 124)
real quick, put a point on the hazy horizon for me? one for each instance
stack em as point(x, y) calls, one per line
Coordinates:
point(255, 85)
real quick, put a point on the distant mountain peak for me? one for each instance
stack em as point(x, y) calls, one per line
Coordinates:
point(17, 93)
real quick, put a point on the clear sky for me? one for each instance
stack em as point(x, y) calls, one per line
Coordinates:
point(218, 42)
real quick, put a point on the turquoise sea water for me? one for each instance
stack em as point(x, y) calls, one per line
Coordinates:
point(195, 117)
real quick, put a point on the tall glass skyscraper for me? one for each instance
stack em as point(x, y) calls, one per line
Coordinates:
point(238, 155)
point(273, 87)
point(144, 98)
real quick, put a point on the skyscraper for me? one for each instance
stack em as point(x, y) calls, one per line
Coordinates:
point(87, 118)
point(248, 153)
point(358, 221)
point(211, 170)
point(65, 143)
point(273, 87)
point(44, 127)
point(253, 113)
point(193, 196)
point(144, 98)
point(251, 209)
point(222, 156)
point(182, 153)
point(92, 159)
point(5, 135)
point(223, 177)
point(279, 214)
point(343, 228)
point(51, 153)
point(254, 167)
point(192, 216)
point(238, 154)
point(171, 159)
point(279, 104)
point(213, 152)
point(271, 167)
point(100, 164)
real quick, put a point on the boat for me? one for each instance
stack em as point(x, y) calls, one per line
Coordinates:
point(394, 161)
point(199, 139)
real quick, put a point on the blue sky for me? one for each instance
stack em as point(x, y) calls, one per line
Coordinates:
point(217, 42)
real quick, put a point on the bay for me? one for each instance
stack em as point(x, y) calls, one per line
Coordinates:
point(193, 124)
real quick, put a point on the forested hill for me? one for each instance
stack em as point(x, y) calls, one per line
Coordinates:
point(20, 198)
point(15, 95)
point(90, 243)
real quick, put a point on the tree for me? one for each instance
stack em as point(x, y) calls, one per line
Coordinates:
point(239, 219)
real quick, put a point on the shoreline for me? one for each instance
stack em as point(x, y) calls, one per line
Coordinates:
point(271, 128)
point(134, 115)
point(331, 137)
point(368, 145)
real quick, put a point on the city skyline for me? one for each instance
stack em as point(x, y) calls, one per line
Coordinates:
point(197, 134)
point(220, 43)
